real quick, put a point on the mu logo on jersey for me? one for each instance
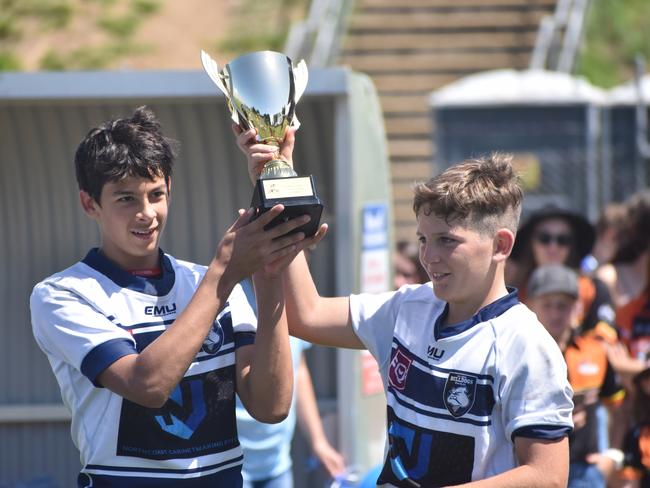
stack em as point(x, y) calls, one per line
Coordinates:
point(399, 368)
point(459, 394)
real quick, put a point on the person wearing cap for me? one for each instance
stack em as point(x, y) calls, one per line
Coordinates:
point(553, 294)
point(555, 235)
point(636, 461)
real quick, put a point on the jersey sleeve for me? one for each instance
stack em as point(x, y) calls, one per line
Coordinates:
point(534, 391)
point(71, 329)
point(244, 320)
point(373, 320)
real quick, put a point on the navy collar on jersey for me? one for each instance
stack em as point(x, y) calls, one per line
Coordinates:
point(151, 286)
point(488, 312)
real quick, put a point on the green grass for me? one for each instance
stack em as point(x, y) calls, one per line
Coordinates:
point(9, 62)
point(54, 14)
point(8, 26)
point(89, 58)
point(261, 24)
point(121, 29)
point(616, 31)
point(145, 7)
point(123, 26)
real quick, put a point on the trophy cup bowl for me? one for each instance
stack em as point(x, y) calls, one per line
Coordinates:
point(262, 89)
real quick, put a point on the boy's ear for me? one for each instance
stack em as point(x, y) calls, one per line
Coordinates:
point(504, 240)
point(88, 203)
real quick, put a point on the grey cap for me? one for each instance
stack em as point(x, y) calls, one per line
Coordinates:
point(553, 278)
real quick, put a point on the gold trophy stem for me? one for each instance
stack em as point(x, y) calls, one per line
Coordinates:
point(277, 168)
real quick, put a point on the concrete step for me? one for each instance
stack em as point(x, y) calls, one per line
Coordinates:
point(411, 171)
point(412, 47)
point(449, 63)
point(407, 103)
point(408, 22)
point(414, 126)
point(413, 148)
point(550, 4)
point(403, 190)
point(427, 41)
point(393, 84)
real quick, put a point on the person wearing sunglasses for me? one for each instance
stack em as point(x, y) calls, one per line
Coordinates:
point(557, 235)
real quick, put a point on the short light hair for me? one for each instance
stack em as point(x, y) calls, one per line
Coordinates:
point(484, 194)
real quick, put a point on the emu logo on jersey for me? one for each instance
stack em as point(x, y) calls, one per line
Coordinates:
point(160, 310)
point(214, 340)
point(459, 394)
point(399, 368)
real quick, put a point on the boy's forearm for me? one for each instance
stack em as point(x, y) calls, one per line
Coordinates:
point(301, 296)
point(521, 476)
point(316, 319)
point(149, 377)
point(542, 464)
point(268, 386)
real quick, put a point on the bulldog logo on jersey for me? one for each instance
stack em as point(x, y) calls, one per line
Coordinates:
point(399, 368)
point(459, 394)
point(214, 339)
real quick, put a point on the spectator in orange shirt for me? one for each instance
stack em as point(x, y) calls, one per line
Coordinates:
point(553, 296)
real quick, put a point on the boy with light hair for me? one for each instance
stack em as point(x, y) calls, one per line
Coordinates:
point(462, 331)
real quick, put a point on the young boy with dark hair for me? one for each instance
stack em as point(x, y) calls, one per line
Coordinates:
point(476, 388)
point(149, 350)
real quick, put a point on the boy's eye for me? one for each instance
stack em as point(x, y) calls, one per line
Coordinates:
point(447, 240)
point(125, 199)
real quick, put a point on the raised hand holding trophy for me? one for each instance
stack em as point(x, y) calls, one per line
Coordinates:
point(262, 89)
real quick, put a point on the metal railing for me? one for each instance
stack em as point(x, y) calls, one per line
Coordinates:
point(559, 36)
point(317, 39)
point(642, 143)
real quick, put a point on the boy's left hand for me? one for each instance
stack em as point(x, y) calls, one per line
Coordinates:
point(275, 268)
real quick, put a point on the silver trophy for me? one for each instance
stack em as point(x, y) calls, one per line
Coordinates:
point(262, 89)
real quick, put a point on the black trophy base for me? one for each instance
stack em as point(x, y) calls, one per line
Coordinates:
point(296, 193)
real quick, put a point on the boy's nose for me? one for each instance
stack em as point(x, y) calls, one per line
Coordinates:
point(147, 211)
point(430, 255)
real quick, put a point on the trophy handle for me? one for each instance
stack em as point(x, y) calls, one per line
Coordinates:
point(300, 76)
point(212, 69)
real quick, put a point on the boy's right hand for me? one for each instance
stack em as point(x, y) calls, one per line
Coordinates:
point(246, 247)
point(257, 154)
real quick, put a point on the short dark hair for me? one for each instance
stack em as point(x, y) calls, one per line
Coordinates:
point(482, 193)
point(133, 146)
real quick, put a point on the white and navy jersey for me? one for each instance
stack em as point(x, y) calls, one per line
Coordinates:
point(458, 396)
point(91, 314)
